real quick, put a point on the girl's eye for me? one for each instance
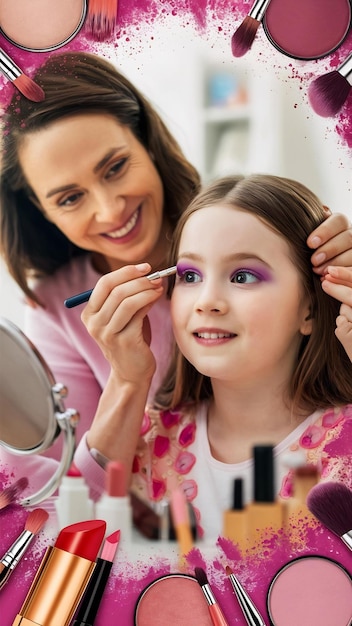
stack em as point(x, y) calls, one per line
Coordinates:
point(115, 168)
point(244, 277)
point(189, 276)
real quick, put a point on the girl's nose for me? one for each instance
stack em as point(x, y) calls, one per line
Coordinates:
point(211, 300)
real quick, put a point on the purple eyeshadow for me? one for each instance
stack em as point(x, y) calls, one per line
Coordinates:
point(186, 267)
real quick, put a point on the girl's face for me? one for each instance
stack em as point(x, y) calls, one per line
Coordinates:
point(238, 308)
point(96, 182)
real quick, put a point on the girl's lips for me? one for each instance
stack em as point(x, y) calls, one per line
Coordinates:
point(212, 336)
point(126, 229)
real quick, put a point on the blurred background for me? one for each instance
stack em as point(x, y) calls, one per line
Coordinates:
point(230, 115)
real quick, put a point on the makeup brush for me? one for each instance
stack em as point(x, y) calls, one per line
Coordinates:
point(328, 93)
point(94, 592)
point(250, 611)
point(331, 504)
point(79, 298)
point(181, 522)
point(9, 495)
point(243, 37)
point(24, 84)
point(34, 523)
point(215, 612)
point(101, 18)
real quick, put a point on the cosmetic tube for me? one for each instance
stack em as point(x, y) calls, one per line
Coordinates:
point(73, 503)
point(114, 506)
point(62, 576)
point(265, 513)
point(235, 526)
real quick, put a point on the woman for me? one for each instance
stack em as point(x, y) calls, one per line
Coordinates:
point(93, 181)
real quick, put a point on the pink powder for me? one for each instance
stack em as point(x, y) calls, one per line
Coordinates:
point(311, 590)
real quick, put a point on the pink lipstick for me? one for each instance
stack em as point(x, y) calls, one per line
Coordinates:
point(62, 576)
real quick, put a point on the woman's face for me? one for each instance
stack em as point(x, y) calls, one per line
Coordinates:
point(97, 183)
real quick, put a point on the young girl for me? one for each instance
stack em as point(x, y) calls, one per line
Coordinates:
point(256, 360)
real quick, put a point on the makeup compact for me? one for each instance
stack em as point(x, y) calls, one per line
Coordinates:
point(307, 29)
point(310, 590)
point(174, 599)
point(41, 25)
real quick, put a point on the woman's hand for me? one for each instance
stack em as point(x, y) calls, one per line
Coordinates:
point(337, 283)
point(332, 241)
point(115, 317)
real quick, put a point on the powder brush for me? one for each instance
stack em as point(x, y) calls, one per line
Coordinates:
point(9, 495)
point(34, 523)
point(101, 18)
point(244, 36)
point(331, 504)
point(23, 83)
point(328, 93)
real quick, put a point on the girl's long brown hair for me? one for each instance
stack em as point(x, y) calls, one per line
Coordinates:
point(323, 372)
point(75, 83)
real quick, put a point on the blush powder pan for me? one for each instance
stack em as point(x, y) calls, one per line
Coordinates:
point(311, 590)
point(172, 600)
point(41, 25)
point(307, 29)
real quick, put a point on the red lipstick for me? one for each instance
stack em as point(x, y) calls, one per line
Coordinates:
point(62, 576)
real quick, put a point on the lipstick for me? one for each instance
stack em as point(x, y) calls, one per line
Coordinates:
point(265, 513)
point(114, 506)
point(94, 592)
point(62, 576)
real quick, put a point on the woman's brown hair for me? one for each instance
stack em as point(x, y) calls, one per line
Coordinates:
point(75, 83)
point(323, 373)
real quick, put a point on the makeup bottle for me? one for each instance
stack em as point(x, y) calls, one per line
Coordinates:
point(73, 503)
point(295, 508)
point(235, 525)
point(265, 513)
point(114, 506)
point(62, 577)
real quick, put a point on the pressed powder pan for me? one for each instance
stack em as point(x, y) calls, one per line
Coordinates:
point(307, 29)
point(41, 25)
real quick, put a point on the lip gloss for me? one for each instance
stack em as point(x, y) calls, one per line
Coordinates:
point(62, 576)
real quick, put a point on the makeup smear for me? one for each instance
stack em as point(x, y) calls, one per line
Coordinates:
point(176, 600)
point(307, 29)
point(41, 25)
point(311, 590)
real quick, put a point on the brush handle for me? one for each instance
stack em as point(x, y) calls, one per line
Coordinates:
point(250, 611)
point(347, 539)
point(18, 548)
point(8, 67)
point(258, 9)
point(345, 68)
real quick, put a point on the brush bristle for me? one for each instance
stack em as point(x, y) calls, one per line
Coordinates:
point(101, 18)
point(331, 504)
point(36, 520)
point(10, 494)
point(28, 88)
point(201, 576)
point(243, 37)
point(328, 93)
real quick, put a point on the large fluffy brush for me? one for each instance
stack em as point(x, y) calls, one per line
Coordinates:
point(10, 494)
point(328, 93)
point(244, 36)
point(34, 523)
point(101, 18)
point(331, 504)
point(23, 83)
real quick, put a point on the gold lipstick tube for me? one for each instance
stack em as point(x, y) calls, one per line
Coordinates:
point(56, 589)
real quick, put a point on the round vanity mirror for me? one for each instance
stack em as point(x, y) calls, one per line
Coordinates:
point(32, 411)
